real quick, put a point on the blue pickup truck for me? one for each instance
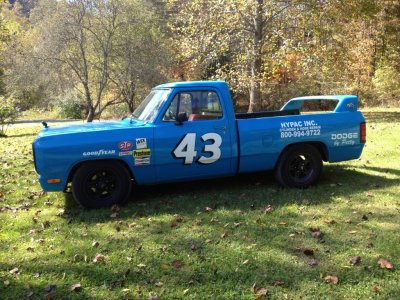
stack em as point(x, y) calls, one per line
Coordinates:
point(188, 131)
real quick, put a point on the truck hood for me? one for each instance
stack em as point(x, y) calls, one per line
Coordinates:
point(89, 127)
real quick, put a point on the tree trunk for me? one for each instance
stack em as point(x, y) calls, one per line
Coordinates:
point(91, 114)
point(255, 85)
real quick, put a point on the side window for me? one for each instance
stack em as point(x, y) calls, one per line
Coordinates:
point(198, 106)
point(182, 102)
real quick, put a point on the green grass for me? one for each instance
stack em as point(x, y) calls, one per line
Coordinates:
point(164, 242)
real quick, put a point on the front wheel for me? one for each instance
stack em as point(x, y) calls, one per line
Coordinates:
point(101, 184)
point(299, 166)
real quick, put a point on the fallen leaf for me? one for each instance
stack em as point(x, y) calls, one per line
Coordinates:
point(261, 293)
point(45, 224)
point(267, 209)
point(253, 288)
point(245, 262)
point(99, 257)
point(76, 287)
point(347, 221)
point(115, 208)
point(36, 275)
point(330, 221)
point(308, 252)
point(208, 209)
point(316, 232)
point(278, 283)
point(353, 232)
point(385, 264)
point(375, 289)
point(355, 260)
point(95, 244)
point(165, 267)
point(313, 263)
point(185, 291)
point(224, 235)
point(159, 284)
point(177, 264)
point(29, 294)
point(331, 279)
point(14, 271)
point(6, 283)
point(178, 218)
point(49, 288)
point(141, 265)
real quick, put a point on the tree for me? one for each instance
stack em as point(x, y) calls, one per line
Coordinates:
point(243, 31)
point(98, 42)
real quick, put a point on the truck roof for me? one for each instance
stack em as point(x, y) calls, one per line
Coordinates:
point(215, 84)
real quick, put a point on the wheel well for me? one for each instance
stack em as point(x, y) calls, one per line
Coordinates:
point(321, 147)
point(76, 167)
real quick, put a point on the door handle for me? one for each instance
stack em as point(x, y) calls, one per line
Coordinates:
point(221, 128)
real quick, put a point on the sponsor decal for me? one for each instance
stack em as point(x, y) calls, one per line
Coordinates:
point(141, 143)
point(141, 153)
point(125, 153)
point(344, 139)
point(125, 145)
point(99, 152)
point(297, 129)
point(141, 161)
point(142, 157)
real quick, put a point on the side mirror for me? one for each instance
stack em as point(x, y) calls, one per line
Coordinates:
point(182, 117)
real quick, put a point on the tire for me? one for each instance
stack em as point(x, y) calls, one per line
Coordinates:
point(299, 166)
point(97, 184)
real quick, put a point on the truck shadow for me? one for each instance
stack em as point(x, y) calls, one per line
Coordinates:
point(248, 191)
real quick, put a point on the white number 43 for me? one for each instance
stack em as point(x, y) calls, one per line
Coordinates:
point(186, 148)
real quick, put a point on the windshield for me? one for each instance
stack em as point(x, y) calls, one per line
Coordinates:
point(149, 108)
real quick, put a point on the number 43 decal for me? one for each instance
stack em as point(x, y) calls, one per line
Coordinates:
point(186, 148)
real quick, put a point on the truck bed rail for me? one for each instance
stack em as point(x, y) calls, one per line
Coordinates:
point(345, 102)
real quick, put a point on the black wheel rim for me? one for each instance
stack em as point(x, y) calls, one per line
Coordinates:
point(301, 168)
point(101, 184)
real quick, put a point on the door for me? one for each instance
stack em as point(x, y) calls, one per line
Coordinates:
point(193, 138)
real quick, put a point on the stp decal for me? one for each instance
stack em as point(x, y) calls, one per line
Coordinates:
point(125, 145)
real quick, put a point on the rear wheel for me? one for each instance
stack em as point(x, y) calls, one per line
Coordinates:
point(299, 166)
point(101, 184)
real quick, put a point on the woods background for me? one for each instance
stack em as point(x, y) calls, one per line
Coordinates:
point(87, 57)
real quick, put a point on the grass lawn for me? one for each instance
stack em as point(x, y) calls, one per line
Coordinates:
point(234, 238)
